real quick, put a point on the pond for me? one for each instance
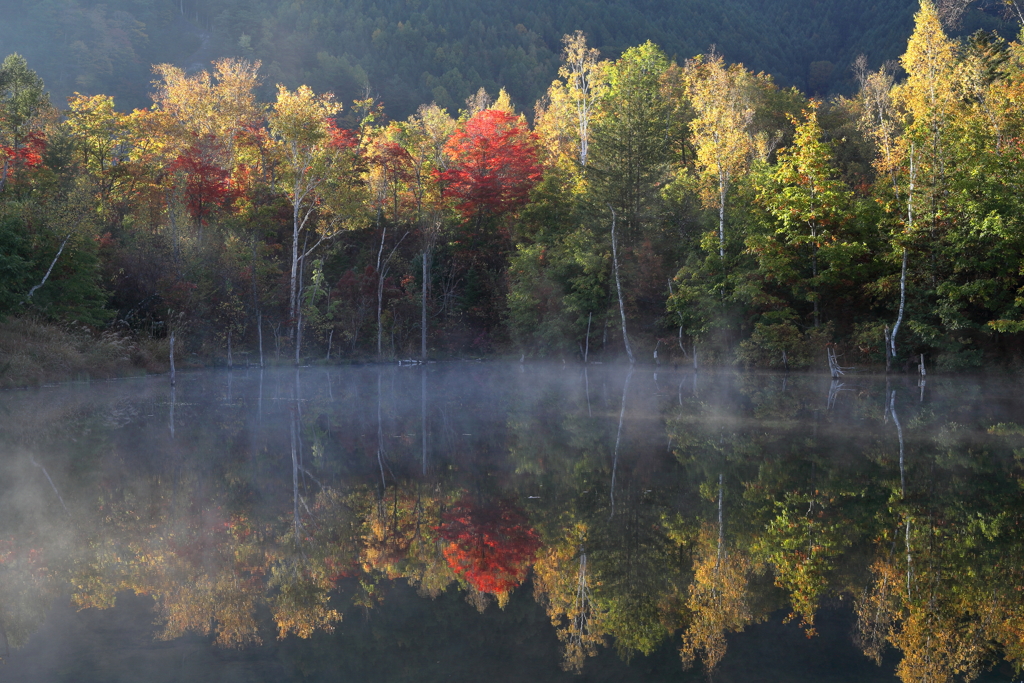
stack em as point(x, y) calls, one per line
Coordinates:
point(466, 521)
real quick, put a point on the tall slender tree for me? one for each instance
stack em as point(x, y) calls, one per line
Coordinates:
point(303, 124)
point(583, 84)
point(721, 129)
point(928, 101)
point(22, 98)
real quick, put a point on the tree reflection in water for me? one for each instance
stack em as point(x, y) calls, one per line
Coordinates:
point(268, 511)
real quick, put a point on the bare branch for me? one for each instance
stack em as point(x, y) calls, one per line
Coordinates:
point(951, 12)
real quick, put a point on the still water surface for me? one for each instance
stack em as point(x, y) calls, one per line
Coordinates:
point(465, 522)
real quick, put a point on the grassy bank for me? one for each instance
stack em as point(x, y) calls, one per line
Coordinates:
point(33, 352)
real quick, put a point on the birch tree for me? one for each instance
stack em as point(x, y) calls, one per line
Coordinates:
point(303, 124)
point(721, 129)
point(424, 136)
point(928, 102)
point(583, 84)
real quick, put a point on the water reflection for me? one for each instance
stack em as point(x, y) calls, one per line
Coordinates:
point(250, 507)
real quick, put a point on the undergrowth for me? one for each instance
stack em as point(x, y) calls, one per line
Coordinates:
point(35, 352)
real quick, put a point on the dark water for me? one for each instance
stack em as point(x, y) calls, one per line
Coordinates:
point(467, 522)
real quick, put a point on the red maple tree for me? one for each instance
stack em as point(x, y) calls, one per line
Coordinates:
point(491, 547)
point(342, 138)
point(494, 164)
point(207, 185)
point(27, 155)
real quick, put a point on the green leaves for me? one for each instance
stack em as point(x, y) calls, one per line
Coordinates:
point(628, 160)
point(807, 246)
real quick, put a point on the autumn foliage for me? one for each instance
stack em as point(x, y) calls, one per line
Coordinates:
point(207, 185)
point(28, 155)
point(490, 547)
point(494, 165)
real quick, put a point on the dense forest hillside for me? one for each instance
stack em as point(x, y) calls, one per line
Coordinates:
point(409, 52)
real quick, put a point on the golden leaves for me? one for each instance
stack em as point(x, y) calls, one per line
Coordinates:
point(717, 601)
point(720, 127)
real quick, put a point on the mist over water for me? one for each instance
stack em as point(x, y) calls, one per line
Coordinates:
point(519, 522)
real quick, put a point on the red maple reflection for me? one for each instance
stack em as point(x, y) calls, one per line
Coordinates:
point(491, 547)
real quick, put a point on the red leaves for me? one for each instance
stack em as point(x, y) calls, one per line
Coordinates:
point(491, 547)
point(394, 161)
point(207, 185)
point(494, 164)
point(14, 553)
point(349, 152)
point(31, 153)
point(27, 155)
point(342, 138)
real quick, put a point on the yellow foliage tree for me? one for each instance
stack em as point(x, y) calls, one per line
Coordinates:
point(928, 101)
point(721, 128)
point(564, 581)
point(584, 85)
point(217, 104)
point(302, 122)
point(717, 600)
point(102, 135)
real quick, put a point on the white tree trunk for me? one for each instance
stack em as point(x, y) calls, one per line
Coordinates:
point(259, 332)
point(172, 357)
point(903, 299)
point(380, 291)
point(618, 289)
point(903, 270)
point(298, 309)
point(586, 351)
point(293, 302)
point(49, 270)
point(423, 310)
point(170, 412)
point(618, 439)
point(721, 215)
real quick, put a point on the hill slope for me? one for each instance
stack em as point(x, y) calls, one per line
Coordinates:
point(410, 52)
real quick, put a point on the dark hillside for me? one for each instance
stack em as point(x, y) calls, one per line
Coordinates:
point(413, 51)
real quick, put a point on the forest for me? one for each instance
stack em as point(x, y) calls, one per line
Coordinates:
point(691, 208)
point(409, 53)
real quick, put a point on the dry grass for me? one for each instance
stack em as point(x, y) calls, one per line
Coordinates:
point(33, 352)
